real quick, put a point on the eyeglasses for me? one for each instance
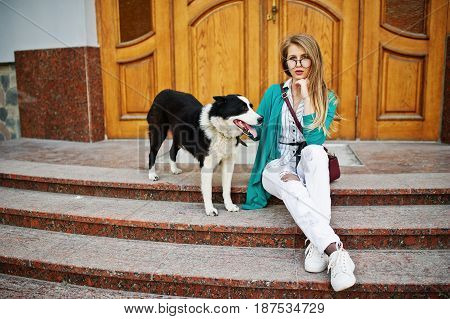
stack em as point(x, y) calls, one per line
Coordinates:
point(304, 62)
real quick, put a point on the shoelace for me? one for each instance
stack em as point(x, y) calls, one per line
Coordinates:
point(309, 251)
point(340, 257)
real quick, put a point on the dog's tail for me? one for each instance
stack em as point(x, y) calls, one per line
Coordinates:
point(153, 115)
point(157, 113)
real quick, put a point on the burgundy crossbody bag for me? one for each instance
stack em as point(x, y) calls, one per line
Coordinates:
point(333, 163)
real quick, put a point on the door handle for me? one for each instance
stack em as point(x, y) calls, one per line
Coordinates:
point(273, 12)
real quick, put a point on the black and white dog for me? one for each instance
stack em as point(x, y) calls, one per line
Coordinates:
point(210, 133)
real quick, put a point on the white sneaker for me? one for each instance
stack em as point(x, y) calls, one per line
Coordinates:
point(342, 268)
point(315, 261)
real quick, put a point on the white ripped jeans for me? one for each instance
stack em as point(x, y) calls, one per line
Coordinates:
point(308, 200)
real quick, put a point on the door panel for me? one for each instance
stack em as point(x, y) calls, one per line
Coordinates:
point(136, 61)
point(405, 74)
point(334, 24)
point(141, 74)
point(217, 48)
point(401, 69)
point(215, 53)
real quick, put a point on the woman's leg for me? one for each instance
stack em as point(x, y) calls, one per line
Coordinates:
point(313, 219)
point(314, 167)
point(314, 224)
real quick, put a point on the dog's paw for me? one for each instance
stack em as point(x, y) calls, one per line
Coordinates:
point(176, 171)
point(212, 211)
point(153, 177)
point(232, 207)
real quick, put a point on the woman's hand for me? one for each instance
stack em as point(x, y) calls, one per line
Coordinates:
point(303, 86)
point(289, 177)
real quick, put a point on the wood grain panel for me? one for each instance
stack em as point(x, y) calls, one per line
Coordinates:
point(401, 85)
point(217, 57)
point(400, 130)
point(218, 48)
point(137, 87)
point(405, 102)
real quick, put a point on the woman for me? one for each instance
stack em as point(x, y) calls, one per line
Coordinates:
point(304, 188)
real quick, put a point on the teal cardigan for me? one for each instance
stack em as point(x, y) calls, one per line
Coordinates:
point(270, 108)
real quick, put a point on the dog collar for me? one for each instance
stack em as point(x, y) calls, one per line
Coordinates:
point(241, 141)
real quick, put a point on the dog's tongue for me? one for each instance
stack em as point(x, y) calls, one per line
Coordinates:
point(250, 129)
point(246, 128)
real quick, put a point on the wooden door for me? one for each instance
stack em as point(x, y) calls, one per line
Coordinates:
point(217, 48)
point(136, 57)
point(402, 65)
point(334, 24)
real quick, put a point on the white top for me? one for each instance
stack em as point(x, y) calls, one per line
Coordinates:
point(289, 134)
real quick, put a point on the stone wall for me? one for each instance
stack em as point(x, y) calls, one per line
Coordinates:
point(9, 108)
point(61, 96)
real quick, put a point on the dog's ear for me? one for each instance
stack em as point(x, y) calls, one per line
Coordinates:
point(219, 99)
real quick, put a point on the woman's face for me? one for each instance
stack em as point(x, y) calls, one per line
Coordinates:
point(299, 70)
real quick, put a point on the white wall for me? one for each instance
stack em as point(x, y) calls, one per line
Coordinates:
point(45, 24)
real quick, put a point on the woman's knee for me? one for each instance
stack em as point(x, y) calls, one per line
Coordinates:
point(270, 180)
point(313, 158)
point(314, 153)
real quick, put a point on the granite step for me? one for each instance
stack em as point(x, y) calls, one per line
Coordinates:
point(214, 271)
point(350, 189)
point(360, 227)
point(14, 287)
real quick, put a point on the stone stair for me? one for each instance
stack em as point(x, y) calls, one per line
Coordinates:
point(14, 287)
point(213, 271)
point(110, 228)
point(360, 227)
point(350, 189)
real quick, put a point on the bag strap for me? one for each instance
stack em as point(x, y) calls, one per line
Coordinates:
point(291, 110)
point(297, 122)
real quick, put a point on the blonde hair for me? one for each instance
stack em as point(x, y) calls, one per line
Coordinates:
point(317, 87)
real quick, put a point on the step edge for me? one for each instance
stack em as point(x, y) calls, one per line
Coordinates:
point(163, 186)
point(294, 230)
point(222, 282)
